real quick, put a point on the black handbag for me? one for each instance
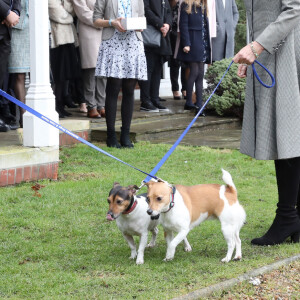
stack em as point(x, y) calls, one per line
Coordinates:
point(151, 37)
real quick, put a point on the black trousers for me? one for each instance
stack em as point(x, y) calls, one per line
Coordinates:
point(4, 55)
point(150, 88)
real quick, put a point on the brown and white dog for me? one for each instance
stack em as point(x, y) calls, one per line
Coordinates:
point(130, 212)
point(181, 208)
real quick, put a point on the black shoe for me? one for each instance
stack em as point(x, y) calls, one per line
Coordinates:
point(190, 107)
point(163, 100)
point(3, 126)
point(160, 107)
point(112, 141)
point(13, 126)
point(125, 139)
point(148, 106)
point(280, 230)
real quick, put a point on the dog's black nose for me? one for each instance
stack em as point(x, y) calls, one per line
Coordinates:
point(149, 211)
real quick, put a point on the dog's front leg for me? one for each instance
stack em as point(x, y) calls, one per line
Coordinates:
point(142, 246)
point(131, 245)
point(173, 244)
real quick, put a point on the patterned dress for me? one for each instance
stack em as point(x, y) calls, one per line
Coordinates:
point(122, 56)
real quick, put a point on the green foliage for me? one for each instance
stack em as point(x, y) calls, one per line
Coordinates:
point(240, 34)
point(229, 98)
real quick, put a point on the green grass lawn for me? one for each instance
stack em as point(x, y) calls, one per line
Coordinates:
point(60, 246)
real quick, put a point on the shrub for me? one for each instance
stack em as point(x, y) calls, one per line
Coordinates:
point(229, 98)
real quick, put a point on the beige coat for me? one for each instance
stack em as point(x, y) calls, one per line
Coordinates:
point(108, 9)
point(89, 36)
point(61, 21)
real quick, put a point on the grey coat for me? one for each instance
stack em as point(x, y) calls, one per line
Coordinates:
point(227, 19)
point(108, 9)
point(271, 124)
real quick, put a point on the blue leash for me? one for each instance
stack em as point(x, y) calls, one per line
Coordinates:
point(64, 130)
point(171, 150)
point(166, 156)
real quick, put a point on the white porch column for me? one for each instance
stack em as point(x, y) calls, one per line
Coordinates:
point(37, 133)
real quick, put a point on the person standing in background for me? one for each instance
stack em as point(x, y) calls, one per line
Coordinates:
point(63, 56)
point(89, 42)
point(9, 17)
point(176, 65)
point(158, 14)
point(19, 59)
point(194, 47)
point(227, 17)
point(121, 60)
point(271, 122)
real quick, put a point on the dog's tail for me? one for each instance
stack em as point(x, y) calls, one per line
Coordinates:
point(228, 180)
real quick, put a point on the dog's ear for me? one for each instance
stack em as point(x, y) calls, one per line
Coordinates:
point(116, 184)
point(133, 189)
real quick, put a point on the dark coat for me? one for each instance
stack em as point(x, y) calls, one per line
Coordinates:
point(154, 14)
point(194, 32)
point(4, 10)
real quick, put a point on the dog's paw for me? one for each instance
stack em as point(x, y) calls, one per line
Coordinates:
point(236, 258)
point(133, 255)
point(187, 248)
point(225, 260)
point(139, 261)
point(151, 245)
point(168, 259)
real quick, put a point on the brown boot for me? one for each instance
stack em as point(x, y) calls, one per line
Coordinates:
point(93, 113)
point(101, 112)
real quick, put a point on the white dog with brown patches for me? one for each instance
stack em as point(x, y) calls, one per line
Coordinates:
point(129, 211)
point(181, 208)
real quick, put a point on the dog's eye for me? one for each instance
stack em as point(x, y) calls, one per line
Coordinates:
point(159, 198)
point(148, 200)
point(119, 202)
point(108, 201)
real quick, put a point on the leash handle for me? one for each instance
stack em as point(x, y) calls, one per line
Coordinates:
point(64, 130)
point(258, 78)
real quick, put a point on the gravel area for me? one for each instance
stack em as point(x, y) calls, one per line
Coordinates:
point(283, 283)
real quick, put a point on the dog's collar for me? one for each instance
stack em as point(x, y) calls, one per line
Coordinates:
point(130, 208)
point(171, 198)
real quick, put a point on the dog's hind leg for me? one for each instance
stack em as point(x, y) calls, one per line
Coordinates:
point(142, 246)
point(229, 235)
point(154, 232)
point(131, 245)
point(238, 246)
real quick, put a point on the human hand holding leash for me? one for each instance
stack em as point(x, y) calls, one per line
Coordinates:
point(246, 56)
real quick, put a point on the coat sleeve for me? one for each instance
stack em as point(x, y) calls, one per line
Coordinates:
point(235, 13)
point(4, 10)
point(168, 14)
point(274, 34)
point(83, 12)
point(141, 8)
point(183, 27)
point(58, 14)
point(151, 17)
point(99, 10)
